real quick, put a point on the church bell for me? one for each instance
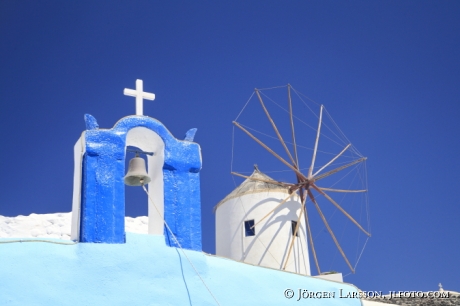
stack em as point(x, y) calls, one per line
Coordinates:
point(137, 175)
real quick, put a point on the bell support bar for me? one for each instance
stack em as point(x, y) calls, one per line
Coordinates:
point(137, 151)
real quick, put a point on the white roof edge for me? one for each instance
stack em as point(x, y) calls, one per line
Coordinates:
point(250, 186)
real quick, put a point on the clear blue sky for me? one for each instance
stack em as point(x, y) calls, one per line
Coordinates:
point(387, 71)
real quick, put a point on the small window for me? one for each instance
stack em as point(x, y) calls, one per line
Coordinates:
point(248, 228)
point(293, 226)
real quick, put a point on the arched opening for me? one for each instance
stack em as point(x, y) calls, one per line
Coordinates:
point(135, 198)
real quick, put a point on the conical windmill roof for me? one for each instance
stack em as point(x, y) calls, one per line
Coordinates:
point(253, 186)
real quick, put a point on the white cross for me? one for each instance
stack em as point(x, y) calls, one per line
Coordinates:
point(140, 96)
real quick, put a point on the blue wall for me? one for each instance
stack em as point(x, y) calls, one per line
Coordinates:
point(103, 189)
point(144, 271)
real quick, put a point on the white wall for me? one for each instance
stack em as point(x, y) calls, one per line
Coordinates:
point(78, 150)
point(269, 247)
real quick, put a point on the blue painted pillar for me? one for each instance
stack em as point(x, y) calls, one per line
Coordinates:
point(183, 208)
point(103, 192)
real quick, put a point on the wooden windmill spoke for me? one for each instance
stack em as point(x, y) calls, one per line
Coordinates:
point(310, 237)
point(332, 160)
point(304, 184)
point(310, 194)
point(341, 190)
point(271, 211)
point(275, 128)
point(310, 171)
point(341, 209)
point(262, 180)
point(317, 178)
point(292, 127)
point(270, 150)
point(293, 237)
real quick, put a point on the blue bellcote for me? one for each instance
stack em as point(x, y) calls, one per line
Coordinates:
point(102, 212)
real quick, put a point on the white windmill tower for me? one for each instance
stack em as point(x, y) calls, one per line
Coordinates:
point(268, 222)
point(267, 243)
